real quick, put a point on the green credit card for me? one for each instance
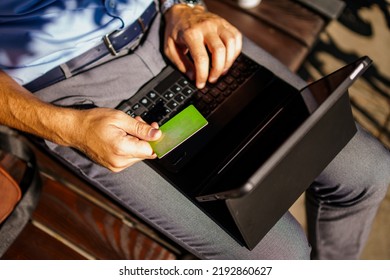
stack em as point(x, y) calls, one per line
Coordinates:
point(177, 130)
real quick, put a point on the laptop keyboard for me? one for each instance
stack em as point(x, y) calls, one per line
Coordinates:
point(176, 92)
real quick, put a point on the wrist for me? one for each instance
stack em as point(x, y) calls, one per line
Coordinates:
point(179, 12)
point(69, 126)
point(168, 4)
point(57, 124)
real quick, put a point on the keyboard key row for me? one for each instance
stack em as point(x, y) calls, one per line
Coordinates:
point(175, 92)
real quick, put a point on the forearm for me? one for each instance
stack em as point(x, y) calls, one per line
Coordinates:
point(23, 111)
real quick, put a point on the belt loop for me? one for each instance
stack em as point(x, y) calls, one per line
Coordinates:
point(142, 24)
point(66, 70)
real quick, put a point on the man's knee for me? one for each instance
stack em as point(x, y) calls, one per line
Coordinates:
point(286, 240)
point(361, 168)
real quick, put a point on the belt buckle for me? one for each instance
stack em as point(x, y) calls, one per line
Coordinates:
point(107, 42)
point(136, 41)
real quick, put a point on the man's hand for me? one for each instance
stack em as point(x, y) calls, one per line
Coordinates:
point(115, 140)
point(199, 33)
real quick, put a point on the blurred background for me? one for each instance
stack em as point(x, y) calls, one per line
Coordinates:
point(362, 29)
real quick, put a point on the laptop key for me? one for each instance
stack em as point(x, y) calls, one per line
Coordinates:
point(168, 95)
point(215, 92)
point(165, 84)
point(220, 98)
point(204, 90)
point(229, 79)
point(180, 98)
point(146, 102)
point(152, 95)
point(135, 106)
point(227, 92)
point(222, 86)
point(183, 82)
point(156, 113)
point(176, 89)
point(131, 113)
point(172, 104)
point(207, 99)
point(187, 91)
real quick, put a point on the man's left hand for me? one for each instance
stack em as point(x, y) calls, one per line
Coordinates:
point(200, 44)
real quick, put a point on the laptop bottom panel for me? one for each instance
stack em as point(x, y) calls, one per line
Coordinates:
point(272, 196)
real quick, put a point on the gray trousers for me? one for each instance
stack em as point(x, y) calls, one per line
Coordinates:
point(341, 203)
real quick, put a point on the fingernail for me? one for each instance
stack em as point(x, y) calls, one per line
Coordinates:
point(153, 133)
point(200, 85)
point(212, 79)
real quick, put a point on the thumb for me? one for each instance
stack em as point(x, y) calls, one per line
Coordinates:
point(143, 130)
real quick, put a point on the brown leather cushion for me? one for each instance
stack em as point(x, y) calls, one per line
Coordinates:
point(10, 194)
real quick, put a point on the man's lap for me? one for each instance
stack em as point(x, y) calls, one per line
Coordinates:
point(146, 194)
point(143, 192)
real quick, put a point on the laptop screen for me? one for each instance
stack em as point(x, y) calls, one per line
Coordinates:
point(316, 93)
point(285, 122)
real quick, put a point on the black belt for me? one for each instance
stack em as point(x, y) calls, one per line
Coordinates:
point(112, 44)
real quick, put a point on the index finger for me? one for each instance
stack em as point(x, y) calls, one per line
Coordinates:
point(200, 57)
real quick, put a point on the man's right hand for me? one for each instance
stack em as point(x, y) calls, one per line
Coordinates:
point(109, 137)
point(113, 139)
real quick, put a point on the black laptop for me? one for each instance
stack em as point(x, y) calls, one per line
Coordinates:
point(264, 143)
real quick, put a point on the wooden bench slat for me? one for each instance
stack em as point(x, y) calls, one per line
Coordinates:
point(35, 244)
point(266, 26)
point(65, 177)
point(288, 17)
point(92, 228)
